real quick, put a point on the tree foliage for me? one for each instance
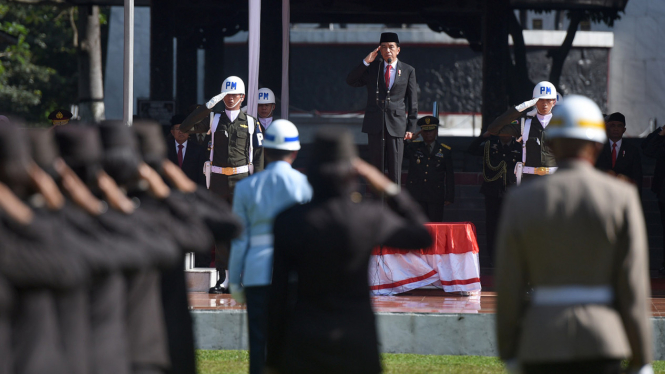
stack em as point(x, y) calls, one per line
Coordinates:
point(40, 72)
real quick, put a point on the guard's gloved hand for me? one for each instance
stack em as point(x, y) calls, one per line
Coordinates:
point(527, 104)
point(513, 366)
point(210, 104)
point(237, 293)
point(646, 369)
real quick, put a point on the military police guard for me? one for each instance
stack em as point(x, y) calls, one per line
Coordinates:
point(266, 107)
point(431, 180)
point(236, 152)
point(537, 157)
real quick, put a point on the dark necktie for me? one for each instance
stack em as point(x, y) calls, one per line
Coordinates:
point(180, 146)
point(387, 77)
point(614, 154)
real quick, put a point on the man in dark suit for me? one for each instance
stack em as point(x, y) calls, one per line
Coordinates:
point(189, 155)
point(619, 158)
point(431, 180)
point(654, 146)
point(392, 103)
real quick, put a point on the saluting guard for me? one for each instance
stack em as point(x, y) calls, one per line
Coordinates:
point(236, 151)
point(537, 156)
point(431, 180)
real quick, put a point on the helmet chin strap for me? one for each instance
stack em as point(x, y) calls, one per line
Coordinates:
point(237, 105)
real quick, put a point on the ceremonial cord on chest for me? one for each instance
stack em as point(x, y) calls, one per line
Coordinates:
point(501, 167)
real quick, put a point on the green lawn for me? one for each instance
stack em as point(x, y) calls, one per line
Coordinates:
point(235, 362)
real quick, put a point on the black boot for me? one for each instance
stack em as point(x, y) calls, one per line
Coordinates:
point(218, 289)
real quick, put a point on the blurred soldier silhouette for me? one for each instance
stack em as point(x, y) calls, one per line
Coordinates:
point(578, 238)
point(327, 244)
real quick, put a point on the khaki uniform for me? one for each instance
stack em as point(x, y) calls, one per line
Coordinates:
point(578, 228)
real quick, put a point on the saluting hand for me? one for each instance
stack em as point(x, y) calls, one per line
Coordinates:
point(210, 104)
point(527, 104)
point(408, 135)
point(372, 55)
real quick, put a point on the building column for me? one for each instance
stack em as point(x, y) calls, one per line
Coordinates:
point(186, 69)
point(495, 60)
point(161, 50)
point(270, 70)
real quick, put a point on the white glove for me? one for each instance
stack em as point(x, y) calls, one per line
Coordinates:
point(527, 104)
point(646, 369)
point(513, 366)
point(210, 104)
point(237, 293)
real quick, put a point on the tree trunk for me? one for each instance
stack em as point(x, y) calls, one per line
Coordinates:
point(91, 87)
point(559, 54)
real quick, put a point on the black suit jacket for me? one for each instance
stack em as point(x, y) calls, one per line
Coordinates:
point(328, 245)
point(653, 146)
point(402, 109)
point(192, 164)
point(628, 163)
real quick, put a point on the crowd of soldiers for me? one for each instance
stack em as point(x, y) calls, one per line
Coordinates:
point(95, 224)
point(96, 221)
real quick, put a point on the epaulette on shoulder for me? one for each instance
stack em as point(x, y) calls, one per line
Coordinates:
point(417, 141)
point(446, 146)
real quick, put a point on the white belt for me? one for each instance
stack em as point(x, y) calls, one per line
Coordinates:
point(539, 171)
point(230, 171)
point(572, 295)
point(261, 240)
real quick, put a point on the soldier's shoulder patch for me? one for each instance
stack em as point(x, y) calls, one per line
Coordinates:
point(515, 122)
point(446, 146)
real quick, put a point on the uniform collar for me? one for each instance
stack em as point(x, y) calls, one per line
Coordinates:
point(278, 165)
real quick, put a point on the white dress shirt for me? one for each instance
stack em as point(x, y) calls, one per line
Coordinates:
point(184, 148)
point(265, 122)
point(618, 143)
point(232, 114)
point(393, 72)
point(544, 119)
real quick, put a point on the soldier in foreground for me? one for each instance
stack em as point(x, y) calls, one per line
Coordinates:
point(579, 239)
point(327, 243)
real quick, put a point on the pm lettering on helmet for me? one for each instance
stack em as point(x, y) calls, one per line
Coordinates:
point(264, 95)
point(231, 84)
point(545, 90)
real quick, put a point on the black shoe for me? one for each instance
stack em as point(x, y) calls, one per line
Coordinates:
point(218, 289)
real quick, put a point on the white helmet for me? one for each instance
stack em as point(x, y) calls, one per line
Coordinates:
point(577, 117)
point(282, 134)
point(266, 96)
point(233, 85)
point(544, 90)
